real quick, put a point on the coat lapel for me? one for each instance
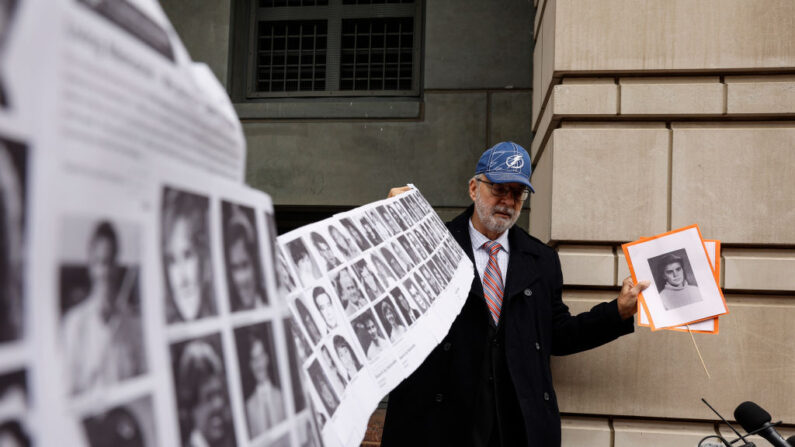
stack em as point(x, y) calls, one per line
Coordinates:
point(522, 267)
point(459, 228)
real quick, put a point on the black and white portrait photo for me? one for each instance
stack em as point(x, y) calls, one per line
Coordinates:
point(305, 265)
point(408, 212)
point(347, 357)
point(371, 336)
point(398, 250)
point(14, 408)
point(421, 249)
point(395, 211)
point(259, 378)
point(414, 292)
point(202, 396)
point(129, 425)
point(436, 275)
point(423, 240)
point(343, 243)
point(369, 230)
point(297, 353)
point(324, 304)
point(244, 274)
point(306, 319)
point(285, 281)
point(684, 288)
point(334, 372)
point(674, 279)
point(407, 247)
point(351, 297)
point(384, 273)
point(407, 309)
point(429, 279)
point(13, 193)
point(323, 248)
point(372, 287)
point(357, 235)
point(99, 282)
point(323, 387)
point(187, 261)
point(378, 223)
point(425, 287)
point(394, 263)
point(390, 320)
point(389, 222)
point(7, 13)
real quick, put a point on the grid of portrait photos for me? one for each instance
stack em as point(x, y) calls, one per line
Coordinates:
point(234, 366)
point(684, 292)
point(371, 291)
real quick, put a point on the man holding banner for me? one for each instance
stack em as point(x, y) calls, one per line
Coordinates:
point(489, 383)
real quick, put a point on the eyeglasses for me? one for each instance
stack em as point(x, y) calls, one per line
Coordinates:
point(502, 190)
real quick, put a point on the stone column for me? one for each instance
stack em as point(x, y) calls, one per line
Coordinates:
point(649, 116)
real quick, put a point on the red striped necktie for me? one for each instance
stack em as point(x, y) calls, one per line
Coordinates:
point(492, 281)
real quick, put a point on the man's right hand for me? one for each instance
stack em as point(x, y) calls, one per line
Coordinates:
point(396, 191)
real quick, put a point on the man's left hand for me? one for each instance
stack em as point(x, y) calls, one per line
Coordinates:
point(628, 298)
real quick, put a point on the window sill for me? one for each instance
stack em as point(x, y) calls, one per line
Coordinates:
point(336, 108)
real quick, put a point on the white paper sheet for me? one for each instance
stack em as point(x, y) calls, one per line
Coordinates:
point(705, 326)
point(378, 288)
point(682, 295)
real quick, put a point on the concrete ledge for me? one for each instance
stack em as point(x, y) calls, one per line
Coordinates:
point(587, 265)
point(659, 434)
point(761, 95)
point(752, 269)
point(690, 96)
point(599, 98)
point(585, 432)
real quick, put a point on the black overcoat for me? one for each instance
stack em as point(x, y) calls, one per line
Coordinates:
point(440, 403)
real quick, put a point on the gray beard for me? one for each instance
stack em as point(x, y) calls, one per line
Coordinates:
point(489, 221)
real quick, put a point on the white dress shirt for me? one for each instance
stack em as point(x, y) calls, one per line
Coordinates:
point(482, 253)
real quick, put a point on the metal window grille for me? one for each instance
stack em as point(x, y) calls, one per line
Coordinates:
point(282, 3)
point(291, 56)
point(321, 48)
point(373, 2)
point(377, 54)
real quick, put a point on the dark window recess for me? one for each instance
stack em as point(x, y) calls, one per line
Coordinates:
point(291, 56)
point(374, 2)
point(282, 3)
point(377, 54)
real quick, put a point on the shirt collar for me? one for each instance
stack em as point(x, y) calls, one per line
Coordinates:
point(478, 238)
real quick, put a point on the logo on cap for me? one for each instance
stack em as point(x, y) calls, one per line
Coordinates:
point(515, 161)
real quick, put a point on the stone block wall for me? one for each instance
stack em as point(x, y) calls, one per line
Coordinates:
point(650, 116)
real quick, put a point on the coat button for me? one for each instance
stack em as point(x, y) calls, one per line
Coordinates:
point(447, 346)
point(538, 346)
point(528, 292)
point(439, 397)
point(546, 396)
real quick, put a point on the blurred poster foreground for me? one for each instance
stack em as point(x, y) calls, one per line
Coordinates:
point(139, 300)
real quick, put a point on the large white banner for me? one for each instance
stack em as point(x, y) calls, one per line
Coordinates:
point(139, 299)
point(372, 292)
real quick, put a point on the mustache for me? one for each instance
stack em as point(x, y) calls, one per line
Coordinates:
point(504, 210)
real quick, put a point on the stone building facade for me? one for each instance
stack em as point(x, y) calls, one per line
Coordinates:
point(641, 116)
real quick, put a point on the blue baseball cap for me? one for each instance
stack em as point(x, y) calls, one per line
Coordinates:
point(506, 162)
